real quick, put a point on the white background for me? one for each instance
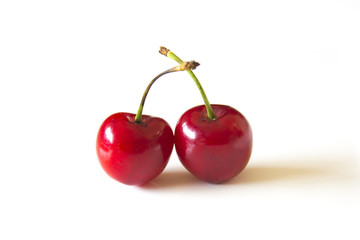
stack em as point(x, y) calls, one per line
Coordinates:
point(291, 67)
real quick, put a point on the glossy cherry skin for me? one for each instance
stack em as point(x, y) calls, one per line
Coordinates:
point(213, 150)
point(134, 153)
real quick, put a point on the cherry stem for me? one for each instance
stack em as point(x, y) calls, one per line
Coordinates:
point(210, 112)
point(183, 66)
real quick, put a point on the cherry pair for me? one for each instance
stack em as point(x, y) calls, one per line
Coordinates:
point(213, 142)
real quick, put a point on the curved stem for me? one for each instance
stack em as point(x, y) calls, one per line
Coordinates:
point(183, 66)
point(210, 112)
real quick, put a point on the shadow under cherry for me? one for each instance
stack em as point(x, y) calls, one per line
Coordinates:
point(265, 172)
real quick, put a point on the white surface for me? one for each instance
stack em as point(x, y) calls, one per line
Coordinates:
point(291, 67)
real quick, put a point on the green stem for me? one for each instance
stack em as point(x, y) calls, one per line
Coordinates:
point(210, 111)
point(183, 66)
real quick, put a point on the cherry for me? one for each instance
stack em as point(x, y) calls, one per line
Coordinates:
point(134, 153)
point(213, 150)
point(135, 149)
point(213, 142)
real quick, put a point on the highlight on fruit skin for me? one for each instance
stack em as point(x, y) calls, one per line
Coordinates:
point(132, 153)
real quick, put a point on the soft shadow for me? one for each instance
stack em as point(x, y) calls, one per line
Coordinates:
point(322, 168)
point(178, 178)
point(256, 174)
point(173, 178)
point(289, 170)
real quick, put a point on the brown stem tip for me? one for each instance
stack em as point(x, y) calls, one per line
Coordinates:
point(164, 51)
point(191, 65)
point(187, 66)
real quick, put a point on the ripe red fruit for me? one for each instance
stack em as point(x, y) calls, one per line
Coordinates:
point(213, 142)
point(134, 153)
point(135, 149)
point(213, 150)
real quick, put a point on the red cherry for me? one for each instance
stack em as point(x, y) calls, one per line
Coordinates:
point(213, 142)
point(135, 149)
point(213, 150)
point(134, 153)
